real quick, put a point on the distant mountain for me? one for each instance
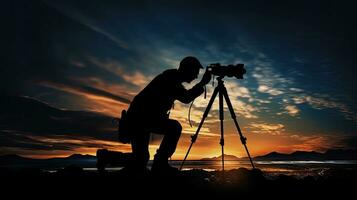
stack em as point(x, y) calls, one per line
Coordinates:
point(333, 154)
point(273, 156)
point(75, 159)
point(226, 157)
point(80, 156)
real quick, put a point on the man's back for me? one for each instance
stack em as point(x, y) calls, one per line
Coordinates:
point(156, 99)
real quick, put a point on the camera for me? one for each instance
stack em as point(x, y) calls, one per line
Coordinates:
point(219, 70)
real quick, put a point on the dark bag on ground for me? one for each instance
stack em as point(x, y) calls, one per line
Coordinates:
point(123, 132)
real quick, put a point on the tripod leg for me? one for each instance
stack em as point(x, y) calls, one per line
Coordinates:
point(234, 117)
point(221, 118)
point(194, 137)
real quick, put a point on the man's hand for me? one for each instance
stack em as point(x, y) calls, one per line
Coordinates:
point(205, 78)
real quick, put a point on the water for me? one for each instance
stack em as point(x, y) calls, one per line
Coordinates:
point(270, 168)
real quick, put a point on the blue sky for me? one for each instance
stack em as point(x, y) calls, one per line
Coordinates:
point(95, 56)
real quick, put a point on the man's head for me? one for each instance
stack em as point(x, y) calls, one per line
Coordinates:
point(189, 68)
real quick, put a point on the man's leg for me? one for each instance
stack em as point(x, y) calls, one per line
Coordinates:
point(140, 148)
point(172, 135)
point(171, 129)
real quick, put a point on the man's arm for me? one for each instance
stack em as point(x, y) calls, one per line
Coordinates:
point(186, 96)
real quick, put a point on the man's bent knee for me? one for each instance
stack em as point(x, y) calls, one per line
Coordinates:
point(176, 127)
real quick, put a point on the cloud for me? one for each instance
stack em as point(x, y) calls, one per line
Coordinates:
point(263, 88)
point(314, 142)
point(70, 11)
point(268, 76)
point(265, 128)
point(137, 78)
point(131, 77)
point(117, 89)
point(271, 91)
point(349, 141)
point(204, 131)
point(320, 101)
point(296, 89)
point(97, 99)
point(292, 110)
point(272, 82)
point(237, 90)
point(298, 99)
point(42, 119)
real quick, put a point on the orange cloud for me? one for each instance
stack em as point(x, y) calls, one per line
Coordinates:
point(107, 104)
point(310, 143)
point(137, 78)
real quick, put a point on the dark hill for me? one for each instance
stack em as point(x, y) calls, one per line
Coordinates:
point(332, 154)
point(226, 157)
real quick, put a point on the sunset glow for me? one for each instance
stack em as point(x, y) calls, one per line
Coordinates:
point(77, 67)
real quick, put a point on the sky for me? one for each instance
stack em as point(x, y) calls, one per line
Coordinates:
point(94, 56)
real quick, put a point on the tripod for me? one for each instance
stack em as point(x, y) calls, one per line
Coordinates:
point(222, 91)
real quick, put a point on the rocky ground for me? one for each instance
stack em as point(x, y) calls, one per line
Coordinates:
point(193, 183)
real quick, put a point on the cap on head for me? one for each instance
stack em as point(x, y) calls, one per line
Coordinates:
point(189, 62)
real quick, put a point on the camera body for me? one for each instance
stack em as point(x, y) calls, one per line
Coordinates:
point(219, 70)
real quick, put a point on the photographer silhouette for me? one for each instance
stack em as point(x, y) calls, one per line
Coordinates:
point(149, 113)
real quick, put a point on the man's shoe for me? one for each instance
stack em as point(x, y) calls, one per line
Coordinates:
point(163, 168)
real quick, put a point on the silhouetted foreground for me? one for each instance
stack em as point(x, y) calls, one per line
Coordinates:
point(193, 183)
